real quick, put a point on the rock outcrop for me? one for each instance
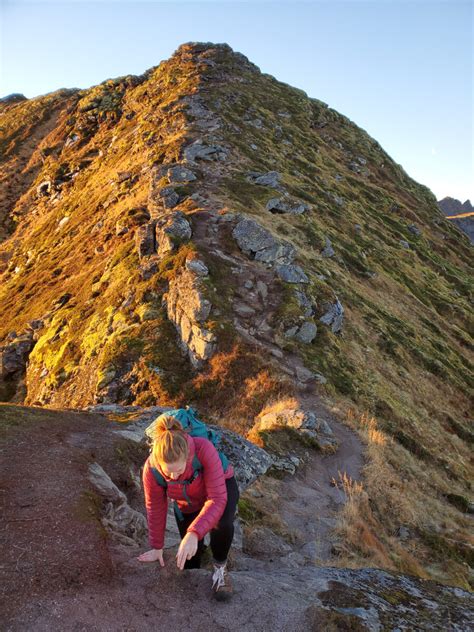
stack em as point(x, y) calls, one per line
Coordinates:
point(305, 422)
point(188, 308)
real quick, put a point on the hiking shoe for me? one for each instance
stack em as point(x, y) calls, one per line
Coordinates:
point(221, 583)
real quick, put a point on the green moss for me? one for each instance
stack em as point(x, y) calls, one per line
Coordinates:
point(248, 511)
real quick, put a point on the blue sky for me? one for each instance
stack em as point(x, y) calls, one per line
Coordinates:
point(400, 69)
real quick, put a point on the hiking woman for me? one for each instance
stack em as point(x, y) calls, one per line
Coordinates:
point(205, 500)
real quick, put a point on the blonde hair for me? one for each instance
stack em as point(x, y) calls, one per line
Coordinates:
point(170, 443)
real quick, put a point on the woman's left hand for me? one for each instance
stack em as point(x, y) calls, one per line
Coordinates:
point(187, 549)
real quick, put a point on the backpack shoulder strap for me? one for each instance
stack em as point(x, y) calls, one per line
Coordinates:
point(158, 477)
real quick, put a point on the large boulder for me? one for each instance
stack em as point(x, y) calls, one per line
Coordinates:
point(291, 274)
point(188, 309)
point(171, 230)
point(286, 205)
point(202, 151)
point(255, 240)
point(179, 175)
point(127, 525)
point(306, 422)
point(333, 316)
point(269, 179)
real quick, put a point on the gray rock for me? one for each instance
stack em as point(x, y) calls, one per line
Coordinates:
point(243, 310)
point(145, 239)
point(14, 355)
point(251, 237)
point(188, 309)
point(414, 229)
point(284, 205)
point(304, 421)
point(200, 150)
point(262, 289)
point(281, 252)
point(171, 229)
point(269, 179)
point(333, 316)
point(328, 250)
point(311, 551)
point(304, 302)
point(180, 174)
point(353, 166)
point(303, 374)
point(119, 518)
point(291, 274)
point(168, 196)
point(307, 332)
point(263, 542)
point(255, 240)
point(197, 266)
point(405, 244)
point(44, 188)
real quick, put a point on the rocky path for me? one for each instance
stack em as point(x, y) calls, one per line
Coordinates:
point(308, 501)
point(58, 573)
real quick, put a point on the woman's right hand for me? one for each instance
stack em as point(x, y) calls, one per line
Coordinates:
point(152, 556)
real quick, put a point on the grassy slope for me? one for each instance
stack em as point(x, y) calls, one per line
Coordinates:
point(402, 371)
point(404, 359)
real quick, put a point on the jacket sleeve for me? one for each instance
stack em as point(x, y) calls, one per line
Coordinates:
point(156, 503)
point(216, 491)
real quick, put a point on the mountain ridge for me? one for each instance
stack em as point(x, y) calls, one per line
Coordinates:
point(205, 233)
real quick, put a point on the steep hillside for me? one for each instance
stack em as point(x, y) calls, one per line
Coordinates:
point(206, 234)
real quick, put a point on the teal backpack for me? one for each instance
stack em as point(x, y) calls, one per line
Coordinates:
point(196, 428)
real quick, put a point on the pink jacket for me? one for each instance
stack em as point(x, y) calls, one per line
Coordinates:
point(207, 493)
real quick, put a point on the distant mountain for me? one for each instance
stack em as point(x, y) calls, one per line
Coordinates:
point(460, 214)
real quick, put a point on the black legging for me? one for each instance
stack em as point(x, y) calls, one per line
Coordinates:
point(221, 535)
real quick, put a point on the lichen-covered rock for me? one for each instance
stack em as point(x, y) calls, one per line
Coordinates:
point(180, 174)
point(145, 239)
point(255, 240)
point(14, 356)
point(305, 333)
point(188, 308)
point(328, 250)
point(304, 421)
point(333, 316)
point(291, 274)
point(197, 266)
point(160, 198)
point(200, 150)
point(269, 179)
point(286, 205)
point(305, 303)
point(171, 230)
